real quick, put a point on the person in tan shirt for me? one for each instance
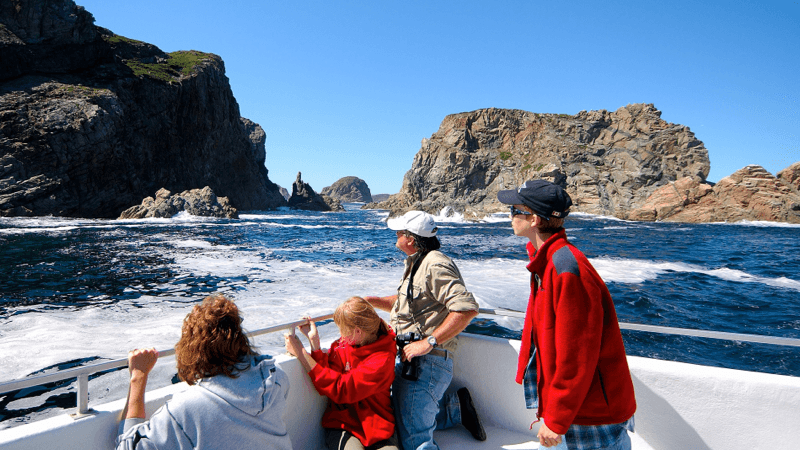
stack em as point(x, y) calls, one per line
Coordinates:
point(431, 307)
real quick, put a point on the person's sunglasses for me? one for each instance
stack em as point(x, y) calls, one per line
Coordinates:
point(516, 212)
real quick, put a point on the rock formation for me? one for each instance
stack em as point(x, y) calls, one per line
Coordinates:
point(197, 202)
point(751, 193)
point(284, 193)
point(791, 176)
point(609, 162)
point(333, 204)
point(92, 122)
point(304, 197)
point(380, 197)
point(349, 189)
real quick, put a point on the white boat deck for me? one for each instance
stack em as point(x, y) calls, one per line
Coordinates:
point(500, 438)
point(496, 438)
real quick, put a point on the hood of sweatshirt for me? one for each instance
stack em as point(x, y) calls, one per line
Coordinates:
point(259, 376)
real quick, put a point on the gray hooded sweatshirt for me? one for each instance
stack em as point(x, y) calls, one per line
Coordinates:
point(219, 413)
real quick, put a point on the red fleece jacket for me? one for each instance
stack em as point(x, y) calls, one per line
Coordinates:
point(357, 382)
point(582, 371)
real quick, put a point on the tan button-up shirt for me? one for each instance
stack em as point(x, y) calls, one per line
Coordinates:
point(438, 289)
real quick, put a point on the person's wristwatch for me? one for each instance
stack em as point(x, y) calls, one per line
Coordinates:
point(432, 341)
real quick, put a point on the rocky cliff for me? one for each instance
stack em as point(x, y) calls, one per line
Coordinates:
point(609, 162)
point(349, 189)
point(91, 122)
point(751, 193)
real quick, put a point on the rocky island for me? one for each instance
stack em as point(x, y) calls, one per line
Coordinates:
point(304, 197)
point(197, 202)
point(91, 122)
point(349, 189)
point(629, 164)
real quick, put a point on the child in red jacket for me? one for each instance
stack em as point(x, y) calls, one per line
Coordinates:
point(355, 374)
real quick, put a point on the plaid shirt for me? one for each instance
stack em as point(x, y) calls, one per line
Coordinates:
point(578, 437)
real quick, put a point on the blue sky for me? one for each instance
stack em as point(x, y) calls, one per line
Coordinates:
point(351, 88)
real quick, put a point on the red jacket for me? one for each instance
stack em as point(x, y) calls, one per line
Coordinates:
point(582, 371)
point(357, 382)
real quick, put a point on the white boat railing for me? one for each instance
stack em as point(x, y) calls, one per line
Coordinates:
point(82, 373)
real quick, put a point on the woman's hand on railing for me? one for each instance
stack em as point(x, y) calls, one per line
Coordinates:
point(309, 330)
point(295, 348)
point(141, 361)
point(293, 345)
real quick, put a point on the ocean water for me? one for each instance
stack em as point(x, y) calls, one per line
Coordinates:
point(79, 291)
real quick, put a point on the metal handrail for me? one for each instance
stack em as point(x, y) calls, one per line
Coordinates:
point(82, 373)
point(754, 338)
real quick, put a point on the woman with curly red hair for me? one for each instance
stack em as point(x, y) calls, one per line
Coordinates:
point(236, 397)
point(355, 374)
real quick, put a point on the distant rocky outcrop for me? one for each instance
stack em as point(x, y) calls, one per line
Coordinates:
point(92, 122)
point(284, 193)
point(609, 162)
point(197, 202)
point(791, 176)
point(334, 204)
point(380, 197)
point(304, 197)
point(751, 193)
point(349, 189)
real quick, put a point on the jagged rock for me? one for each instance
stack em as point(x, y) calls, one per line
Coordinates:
point(750, 193)
point(671, 199)
point(197, 202)
point(609, 162)
point(791, 176)
point(92, 122)
point(304, 197)
point(333, 203)
point(349, 189)
point(284, 193)
point(380, 197)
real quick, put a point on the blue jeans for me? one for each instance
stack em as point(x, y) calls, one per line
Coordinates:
point(600, 437)
point(421, 406)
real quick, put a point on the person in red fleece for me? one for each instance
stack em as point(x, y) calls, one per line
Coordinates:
point(355, 374)
point(572, 359)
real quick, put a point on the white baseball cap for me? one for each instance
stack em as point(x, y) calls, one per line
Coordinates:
point(417, 222)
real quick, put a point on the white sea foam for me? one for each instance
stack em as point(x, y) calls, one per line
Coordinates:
point(191, 243)
point(448, 214)
point(638, 271)
point(597, 217)
point(497, 217)
point(761, 223)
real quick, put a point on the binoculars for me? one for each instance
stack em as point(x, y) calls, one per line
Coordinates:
point(410, 369)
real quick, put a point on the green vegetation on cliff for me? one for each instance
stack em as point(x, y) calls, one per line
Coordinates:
point(177, 64)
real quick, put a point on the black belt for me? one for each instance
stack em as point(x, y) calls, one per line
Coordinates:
point(438, 352)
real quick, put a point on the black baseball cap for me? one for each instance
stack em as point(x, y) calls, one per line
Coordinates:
point(546, 199)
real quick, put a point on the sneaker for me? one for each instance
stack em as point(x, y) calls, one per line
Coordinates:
point(469, 416)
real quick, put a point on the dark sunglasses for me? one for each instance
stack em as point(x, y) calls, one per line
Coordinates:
point(516, 212)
